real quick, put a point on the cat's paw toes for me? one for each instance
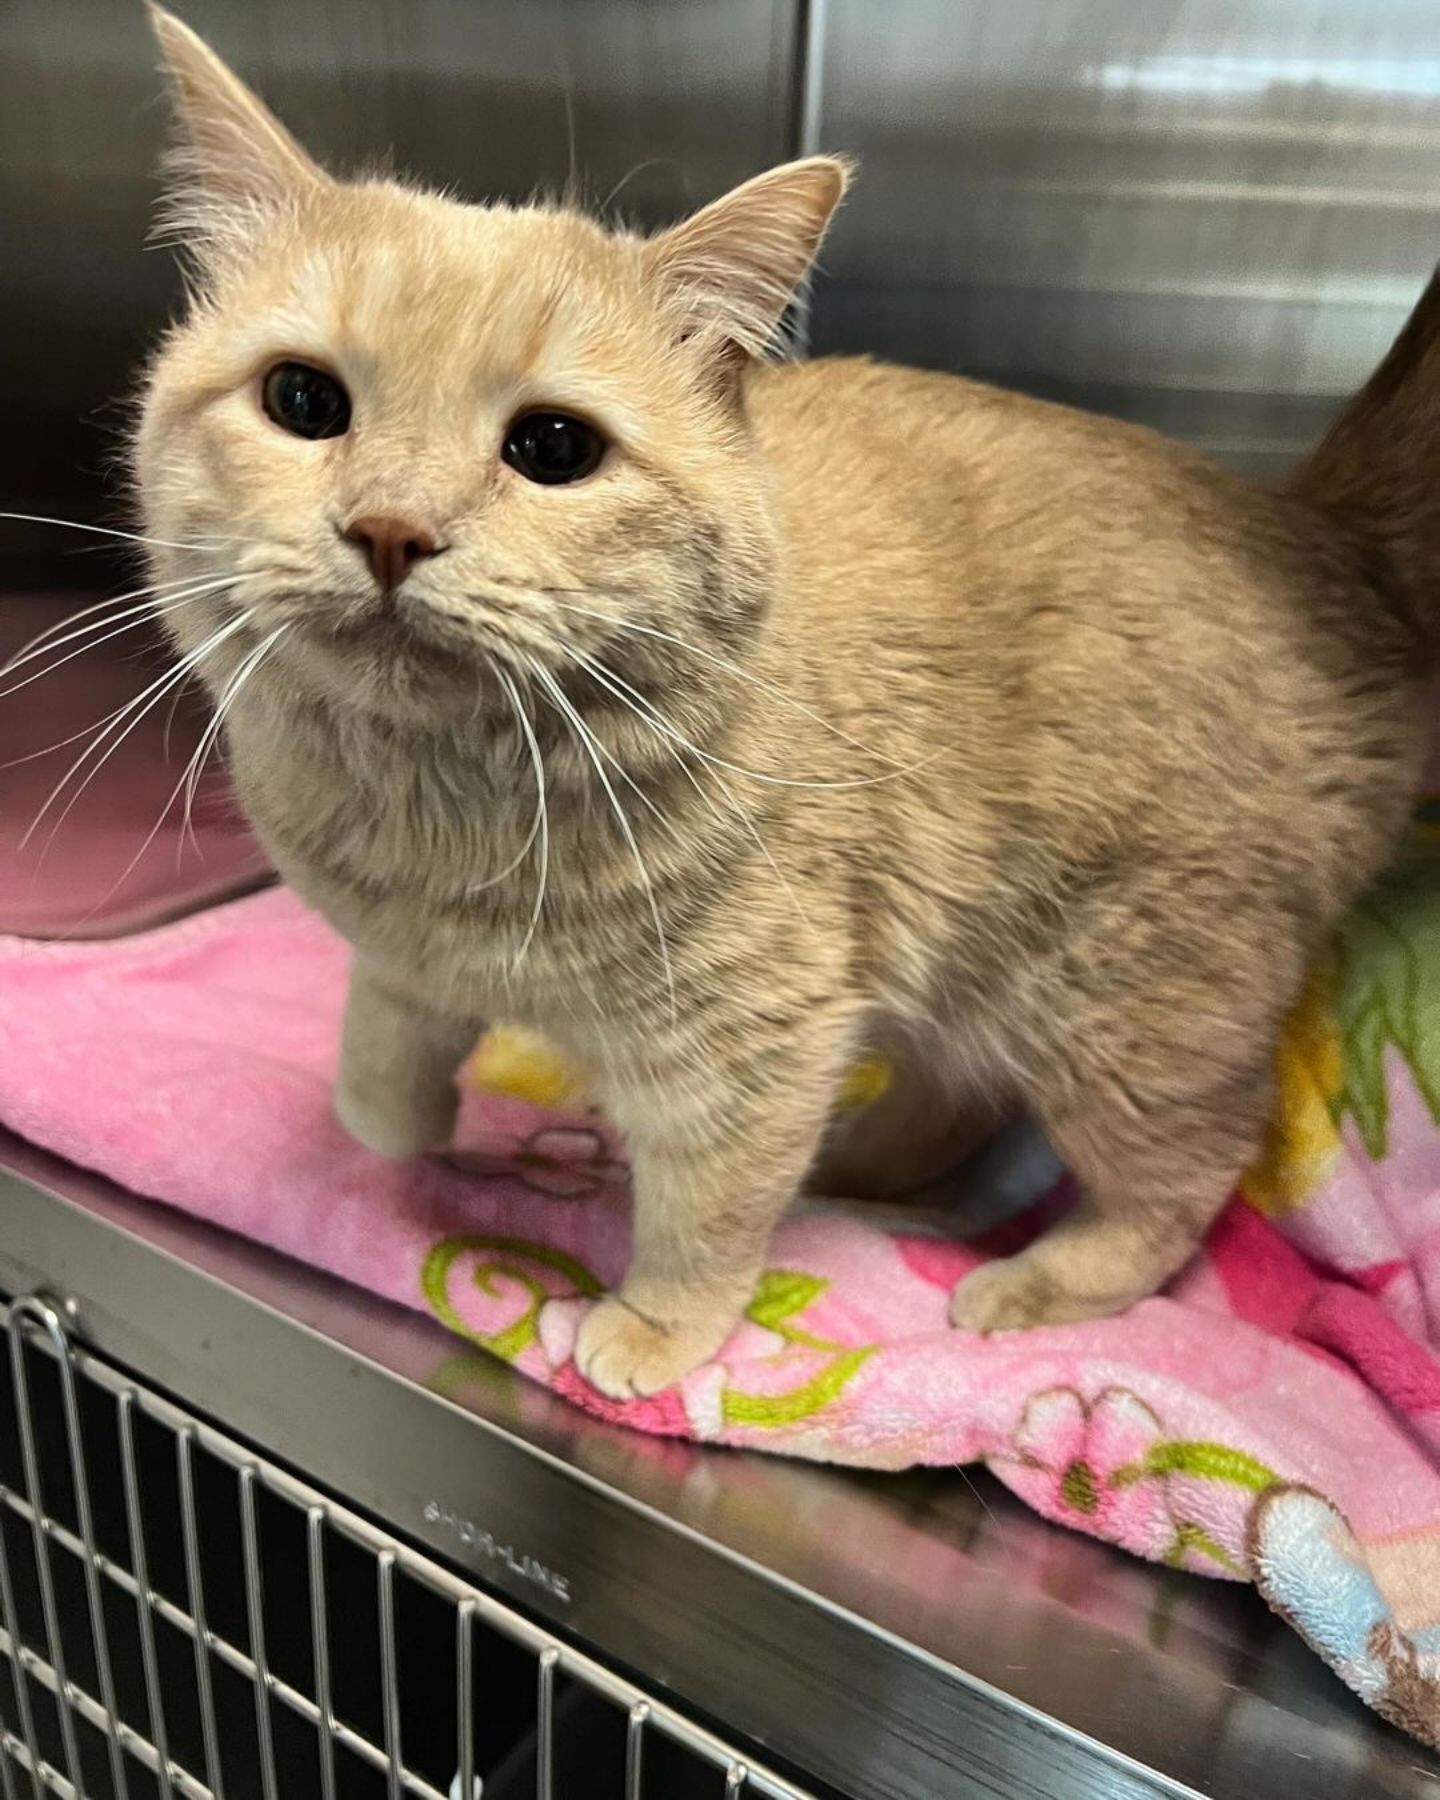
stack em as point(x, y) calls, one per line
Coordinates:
point(1011, 1294)
point(396, 1132)
point(628, 1357)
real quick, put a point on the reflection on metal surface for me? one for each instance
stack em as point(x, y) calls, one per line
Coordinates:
point(1228, 76)
point(896, 1635)
point(665, 105)
point(1208, 217)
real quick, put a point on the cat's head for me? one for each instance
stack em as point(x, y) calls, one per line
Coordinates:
point(420, 435)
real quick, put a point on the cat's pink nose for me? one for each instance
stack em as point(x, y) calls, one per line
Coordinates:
point(392, 546)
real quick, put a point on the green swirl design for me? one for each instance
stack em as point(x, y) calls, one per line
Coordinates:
point(783, 1294)
point(500, 1258)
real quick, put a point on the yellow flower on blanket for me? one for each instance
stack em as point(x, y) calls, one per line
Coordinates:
point(520, 1065)
point(1301, 1142)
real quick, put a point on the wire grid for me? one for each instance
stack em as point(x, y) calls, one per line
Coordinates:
point(121, 1680)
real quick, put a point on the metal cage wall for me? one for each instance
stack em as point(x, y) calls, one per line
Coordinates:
point(180, 1619)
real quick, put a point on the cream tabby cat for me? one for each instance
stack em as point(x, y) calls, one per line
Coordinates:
point(721, 721)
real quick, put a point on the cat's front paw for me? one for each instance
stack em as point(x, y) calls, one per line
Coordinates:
point(628, 1357)
point(398, 1126)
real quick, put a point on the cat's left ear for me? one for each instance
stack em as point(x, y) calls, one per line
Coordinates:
point(234, 161)
point(734, 266)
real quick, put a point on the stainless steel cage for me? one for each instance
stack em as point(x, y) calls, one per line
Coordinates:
point(179, 1617)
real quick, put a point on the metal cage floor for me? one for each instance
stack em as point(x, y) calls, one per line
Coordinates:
point(179, 1617)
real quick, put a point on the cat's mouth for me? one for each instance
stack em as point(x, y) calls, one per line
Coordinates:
point(378, 628)
point(394, 633)
point(382, 653)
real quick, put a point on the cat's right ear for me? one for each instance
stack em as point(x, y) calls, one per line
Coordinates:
point(233, 162)
point(732, 268)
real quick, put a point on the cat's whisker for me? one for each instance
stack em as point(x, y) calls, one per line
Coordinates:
point(202, 750)
point(754, 830)
point(733, 668)
point(110, 609)
point(190, 778)
point(639, 168)
point(133, 711)
point(133, 617)
point(129, 537)
point(624, 774)
point(479, 887)
point(139, 707)
point(651, 719)
point(96, 734)
point(45, 639)
point(595, 752)
point(189, 831)
point(542, 813)
point(195, 768)
point(170, 712)
point(85, 731)
point(707, 756)
point(666, 825)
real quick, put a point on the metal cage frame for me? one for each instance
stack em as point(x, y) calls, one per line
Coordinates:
point(37, 1326)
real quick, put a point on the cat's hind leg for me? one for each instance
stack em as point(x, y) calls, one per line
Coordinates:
point(1152, 1075)
point(923, 1117)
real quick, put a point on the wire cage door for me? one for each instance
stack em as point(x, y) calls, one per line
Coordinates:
point(180, 1619)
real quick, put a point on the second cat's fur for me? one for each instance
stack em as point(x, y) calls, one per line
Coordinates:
point(841, 706)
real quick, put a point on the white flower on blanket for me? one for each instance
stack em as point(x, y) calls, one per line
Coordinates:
point(1107, 1466)
point(1084, 1463)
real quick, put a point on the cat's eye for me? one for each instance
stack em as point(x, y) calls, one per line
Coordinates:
point(553, 448)
point(305, 401)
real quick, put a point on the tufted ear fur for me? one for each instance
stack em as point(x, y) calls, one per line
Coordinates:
point(233, 162)
point(734, 266)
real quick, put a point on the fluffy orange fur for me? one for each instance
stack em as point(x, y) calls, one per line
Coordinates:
point(841, 708)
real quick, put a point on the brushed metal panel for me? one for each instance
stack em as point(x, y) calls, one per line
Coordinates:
point(1208, 215)
point(673, 100)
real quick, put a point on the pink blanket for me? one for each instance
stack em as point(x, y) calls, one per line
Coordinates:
point(1273, 1417)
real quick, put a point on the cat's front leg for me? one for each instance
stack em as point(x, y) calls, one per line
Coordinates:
point(396, 1090)
point(717, 1155)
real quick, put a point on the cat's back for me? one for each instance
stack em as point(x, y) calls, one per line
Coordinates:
point(1101, 609)
point(871, 447)
point(958, 495)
